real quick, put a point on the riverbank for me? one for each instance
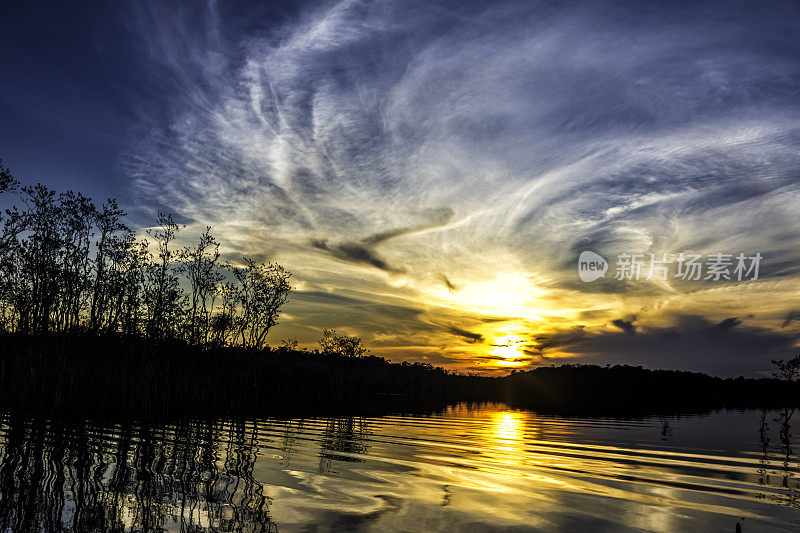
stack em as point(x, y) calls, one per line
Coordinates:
point(114, 375)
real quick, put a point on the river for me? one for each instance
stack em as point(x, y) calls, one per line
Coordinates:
point(470, 468)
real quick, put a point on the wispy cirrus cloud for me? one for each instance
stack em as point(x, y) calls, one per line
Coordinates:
point(385, 148)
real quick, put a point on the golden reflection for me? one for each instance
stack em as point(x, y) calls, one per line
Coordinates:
point(507, 430)
point(507, 426)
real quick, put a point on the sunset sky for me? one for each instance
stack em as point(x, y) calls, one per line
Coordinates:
point(431, 171)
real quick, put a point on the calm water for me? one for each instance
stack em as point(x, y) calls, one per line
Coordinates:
point(468, 469)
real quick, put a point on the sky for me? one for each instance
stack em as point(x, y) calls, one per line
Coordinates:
point(430, 172)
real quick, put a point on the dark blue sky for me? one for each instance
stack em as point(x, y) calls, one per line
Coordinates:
point(76, 83)
point(64, 113)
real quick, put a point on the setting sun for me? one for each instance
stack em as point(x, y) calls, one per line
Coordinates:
point(508, 347)
point(508, 294)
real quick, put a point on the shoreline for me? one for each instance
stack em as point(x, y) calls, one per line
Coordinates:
point(114, 376)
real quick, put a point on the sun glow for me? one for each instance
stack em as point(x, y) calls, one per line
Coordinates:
point(502, 312)
point(508, 347)
point(509, 294)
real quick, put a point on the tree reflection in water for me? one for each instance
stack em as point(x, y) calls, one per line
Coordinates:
point(778, 463)
point(344, 439)
point(188, 476)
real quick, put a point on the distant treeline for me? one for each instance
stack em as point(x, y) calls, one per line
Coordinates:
point(68, 264)
point(607, 389)
point(117, 376)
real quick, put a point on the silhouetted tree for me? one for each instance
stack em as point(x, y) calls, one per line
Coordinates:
point(78, 216)
point(290, 344)
point(263, 289)
point(164, 297)
point(119, 306)
point(67, 264)
point(45, 260)
point(222, 323)
point(204, 276)
point(37, 250)
point(10, 229)
point(788, 370)
point(7, 181)
point(109, 246)
point(331, 343)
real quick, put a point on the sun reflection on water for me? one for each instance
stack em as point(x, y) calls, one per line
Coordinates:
point(508, 426)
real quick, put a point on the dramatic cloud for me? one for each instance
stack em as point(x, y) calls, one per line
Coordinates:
point(455, 159)
point(691, 342)
point(468, 335)
point(625, 325)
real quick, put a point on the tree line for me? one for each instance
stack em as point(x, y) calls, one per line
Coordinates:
point(68, 264)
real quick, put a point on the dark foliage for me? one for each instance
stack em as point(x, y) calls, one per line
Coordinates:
point(96, 375)
point(67, 265)
point(129, 376)
point(591, 388)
